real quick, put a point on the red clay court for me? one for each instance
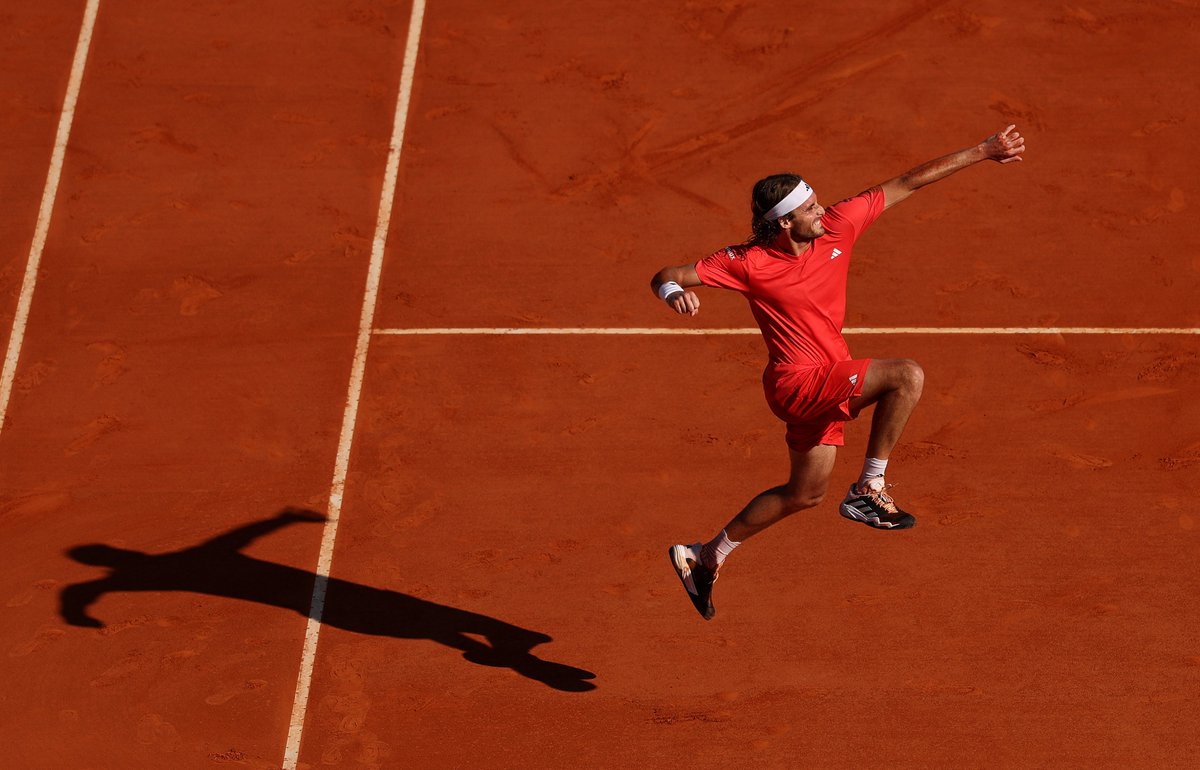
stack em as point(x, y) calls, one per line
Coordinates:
point(343, 304)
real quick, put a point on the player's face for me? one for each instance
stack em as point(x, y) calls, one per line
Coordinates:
point(804, 224)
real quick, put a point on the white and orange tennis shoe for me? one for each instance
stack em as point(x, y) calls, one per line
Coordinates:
point(873, 506)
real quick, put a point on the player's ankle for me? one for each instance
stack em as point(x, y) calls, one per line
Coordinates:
point(714, 552)
point(873, 469)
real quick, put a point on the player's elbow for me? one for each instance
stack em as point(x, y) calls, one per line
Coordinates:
point(661, 277)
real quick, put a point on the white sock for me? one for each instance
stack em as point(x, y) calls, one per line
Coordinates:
point(714, 552)
point(873, 469)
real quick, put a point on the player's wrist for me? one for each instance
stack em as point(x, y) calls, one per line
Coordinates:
point(668, 291)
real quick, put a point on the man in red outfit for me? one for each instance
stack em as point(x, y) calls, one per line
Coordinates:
point(793, 272)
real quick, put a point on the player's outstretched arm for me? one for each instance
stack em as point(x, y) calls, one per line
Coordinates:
point(671, 284)
point(237, 539)
point(1003, 147)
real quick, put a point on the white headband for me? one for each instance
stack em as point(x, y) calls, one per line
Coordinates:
point(790, 202)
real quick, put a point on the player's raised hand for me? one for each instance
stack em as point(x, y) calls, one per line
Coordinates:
point(1004, 147)
point(685, 303)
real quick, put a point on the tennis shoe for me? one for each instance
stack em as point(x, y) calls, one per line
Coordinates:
point(697, 579)
point(873, 506)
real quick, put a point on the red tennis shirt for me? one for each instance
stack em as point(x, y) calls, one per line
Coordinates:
point(799, 302)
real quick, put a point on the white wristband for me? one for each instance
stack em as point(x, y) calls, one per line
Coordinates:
point(668, 289)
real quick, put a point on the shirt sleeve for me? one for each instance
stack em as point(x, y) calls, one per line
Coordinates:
point(724, 269)
point(851, 217)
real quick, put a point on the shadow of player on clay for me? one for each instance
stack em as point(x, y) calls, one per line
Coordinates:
point(218, 567)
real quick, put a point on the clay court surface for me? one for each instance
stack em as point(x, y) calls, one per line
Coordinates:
point(499, 593)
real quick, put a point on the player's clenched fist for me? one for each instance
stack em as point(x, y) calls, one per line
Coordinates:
point(685, 303)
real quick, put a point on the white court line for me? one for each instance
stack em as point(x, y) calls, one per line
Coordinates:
point(15, 338)
point(291, 754)
point(751, 330)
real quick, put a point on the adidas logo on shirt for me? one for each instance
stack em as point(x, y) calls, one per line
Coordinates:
point(836, 253)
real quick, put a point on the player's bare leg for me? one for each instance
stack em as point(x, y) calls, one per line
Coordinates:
point(893, 386)
point(805, 488)
point(697, 565)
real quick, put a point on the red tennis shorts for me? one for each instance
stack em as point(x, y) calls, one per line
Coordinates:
point(814, 401)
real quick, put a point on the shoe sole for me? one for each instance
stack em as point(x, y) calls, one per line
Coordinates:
point(679, 561)
point(678, 556)
point(853, 515)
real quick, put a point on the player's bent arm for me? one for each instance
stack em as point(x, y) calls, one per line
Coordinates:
point(1003, 147)
point(679, 299)
point(684, 275)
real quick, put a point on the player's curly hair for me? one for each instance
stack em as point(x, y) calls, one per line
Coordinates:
point(766, 193)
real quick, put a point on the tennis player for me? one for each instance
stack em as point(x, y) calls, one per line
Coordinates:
point(793, 272)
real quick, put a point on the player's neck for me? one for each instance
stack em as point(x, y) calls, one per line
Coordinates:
point(784, 242)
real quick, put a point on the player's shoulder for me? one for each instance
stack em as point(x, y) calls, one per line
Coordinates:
point(744, 253)
point(731, 253)
point(853, 208)
point(843, 205)
point(729, 267)
point(737, 258)
point(864, 198)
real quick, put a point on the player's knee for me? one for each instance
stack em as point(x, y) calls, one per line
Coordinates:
point(803, 499)
point(912, 377)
